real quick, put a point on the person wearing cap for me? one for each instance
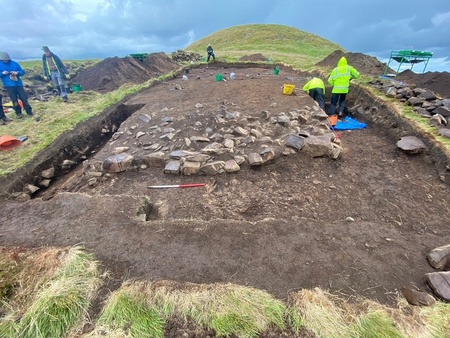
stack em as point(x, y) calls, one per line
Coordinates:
point(55, 70)
point(316, 89)
point(10, 72)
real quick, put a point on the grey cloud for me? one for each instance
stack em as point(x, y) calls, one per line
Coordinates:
point(119, 27)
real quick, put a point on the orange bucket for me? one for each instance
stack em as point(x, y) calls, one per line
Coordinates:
point(8, 142)
point(333, 119)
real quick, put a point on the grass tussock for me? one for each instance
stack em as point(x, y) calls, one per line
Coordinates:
point(128, 313)
point(61, 303)
point(329, 316)
point(56, 117)
point(227, 309)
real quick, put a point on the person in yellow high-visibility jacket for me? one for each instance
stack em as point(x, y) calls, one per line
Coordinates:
point(340, 80)
point(316, 89)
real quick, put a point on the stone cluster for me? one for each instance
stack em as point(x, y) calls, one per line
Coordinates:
point(438, 281)
point(181, 55)
point(229, 141)
point(424, 102)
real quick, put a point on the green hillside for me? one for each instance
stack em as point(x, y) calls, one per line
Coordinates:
point(279, 43)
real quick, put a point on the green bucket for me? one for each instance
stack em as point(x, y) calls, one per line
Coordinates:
point(276, 70)
point(76, 88)
point(219, 77)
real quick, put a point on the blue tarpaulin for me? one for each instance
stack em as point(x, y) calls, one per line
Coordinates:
point(349, 124)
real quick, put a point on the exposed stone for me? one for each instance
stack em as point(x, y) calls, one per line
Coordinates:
point(255, 159)
point(68, 164)
point(411, 144)
point(295, 141)
point(118, 163)
point(415, 101)
point(437, 120)
point(239, 159)
point(427, 95)
point(48, 173)
point(45, 183)
point(439, 258)
point(177, 154)
point(212, 168)
point(202, 158)
point(317, 146)
point(241, 131)
point(172, 167)
point(32, 188)
point(445, 132)
point(439, 282)
point(418, 298)
point(199, 139)
point(145, 118)
point(267, 154)
point(231, 166)
point(391, 92)
point(119, 150)
point(228, 143)
point(443, 110)
point(139, 134)
point(190, 168)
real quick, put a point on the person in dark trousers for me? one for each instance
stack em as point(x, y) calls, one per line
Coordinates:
point(10, 73)
point(210, 52)
point(3, 118)
point(316, 89)
point(55, 70)
point(340, 80)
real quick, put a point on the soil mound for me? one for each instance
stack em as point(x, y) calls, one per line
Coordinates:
point(111, 73)
point(365, 64)
point(253, 57)
point(437, 82)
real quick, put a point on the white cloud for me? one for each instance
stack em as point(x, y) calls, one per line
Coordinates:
point(441, 19)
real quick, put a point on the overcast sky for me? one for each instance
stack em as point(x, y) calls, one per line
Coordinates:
point(81, 29)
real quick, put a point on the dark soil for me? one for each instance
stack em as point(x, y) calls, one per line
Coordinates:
point(365, 64)
point(109, 74)
point(360, 225)
point(437, 82)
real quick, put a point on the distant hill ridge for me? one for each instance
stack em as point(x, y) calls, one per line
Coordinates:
point(276, 42)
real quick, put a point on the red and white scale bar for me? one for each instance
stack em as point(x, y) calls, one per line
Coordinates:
point(192, 185)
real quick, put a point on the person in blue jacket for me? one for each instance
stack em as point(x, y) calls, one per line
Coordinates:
point(55, 70)
point(10, 72)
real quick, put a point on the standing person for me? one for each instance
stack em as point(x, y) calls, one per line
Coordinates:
point(316, 89)
point(55, 70)
point(340, 80)
point(10, 73)
point(210, 52)
point(3, 118)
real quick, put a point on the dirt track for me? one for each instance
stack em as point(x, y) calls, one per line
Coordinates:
point(280, 227)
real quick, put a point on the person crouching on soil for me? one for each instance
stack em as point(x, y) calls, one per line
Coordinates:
point(55, 70)
point(316, 89)
point(10, 73)
point(210, 52)
point(340, 80)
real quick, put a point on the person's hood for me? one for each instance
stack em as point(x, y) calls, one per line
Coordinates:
point(4, 56)
point(342, 62)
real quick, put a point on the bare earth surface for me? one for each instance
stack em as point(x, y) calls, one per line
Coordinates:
point(360, 225)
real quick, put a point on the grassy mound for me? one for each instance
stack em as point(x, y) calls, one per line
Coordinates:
point(281, 44)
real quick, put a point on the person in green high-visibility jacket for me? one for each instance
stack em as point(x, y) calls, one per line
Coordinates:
point(316, 89)
point(340, 80)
